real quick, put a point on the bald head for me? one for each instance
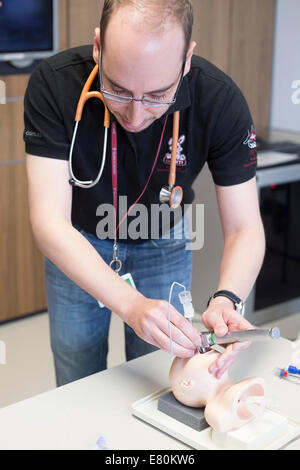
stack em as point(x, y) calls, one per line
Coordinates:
point(151, 16)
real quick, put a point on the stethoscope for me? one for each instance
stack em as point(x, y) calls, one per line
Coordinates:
point(169, 194)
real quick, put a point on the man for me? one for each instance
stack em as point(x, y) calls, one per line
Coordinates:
point(144, 52)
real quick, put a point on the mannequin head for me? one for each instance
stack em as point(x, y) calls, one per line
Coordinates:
point(191, 382)
point(228, 406)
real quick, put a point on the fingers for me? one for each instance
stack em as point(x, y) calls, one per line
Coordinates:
point(223, 319)
point(214, 321)
point(240, 323)
point(223, 362)
point(182, 331)
point(227, 358)
point(163, 341)
point(157, 330)
point(241, 346)
point(153, 326)
point(184, 326)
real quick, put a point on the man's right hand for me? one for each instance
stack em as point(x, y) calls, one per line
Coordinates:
point(50, 201)
point(149, 320)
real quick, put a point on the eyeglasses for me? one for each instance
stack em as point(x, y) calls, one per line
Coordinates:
point(129, 99)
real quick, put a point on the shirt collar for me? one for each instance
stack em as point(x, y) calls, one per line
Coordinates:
point(183, 100)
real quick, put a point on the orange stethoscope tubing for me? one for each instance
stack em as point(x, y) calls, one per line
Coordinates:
point(176, 193)
point(170, 191)
point(86, 94)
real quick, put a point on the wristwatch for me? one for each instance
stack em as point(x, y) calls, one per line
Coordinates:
point(239, 305)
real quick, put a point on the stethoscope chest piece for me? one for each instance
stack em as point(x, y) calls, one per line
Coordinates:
point(171, 195)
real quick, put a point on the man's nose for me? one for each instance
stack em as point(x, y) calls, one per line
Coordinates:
point(136, 113)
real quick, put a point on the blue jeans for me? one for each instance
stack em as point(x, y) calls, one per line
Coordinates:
point(79, 327)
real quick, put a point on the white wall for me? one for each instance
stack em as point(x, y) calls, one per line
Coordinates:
point(284, 113)
point(206, 262)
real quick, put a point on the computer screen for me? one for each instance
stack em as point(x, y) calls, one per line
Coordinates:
point(26, 26)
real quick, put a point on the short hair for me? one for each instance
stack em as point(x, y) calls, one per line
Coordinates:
point(158, 10)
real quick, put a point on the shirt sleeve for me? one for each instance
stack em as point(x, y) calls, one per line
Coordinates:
point(44, 132)
point(232, 157)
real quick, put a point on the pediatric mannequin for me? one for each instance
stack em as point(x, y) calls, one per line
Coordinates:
point(228, 406)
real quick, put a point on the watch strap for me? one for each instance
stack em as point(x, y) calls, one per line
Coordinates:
point(237, 302)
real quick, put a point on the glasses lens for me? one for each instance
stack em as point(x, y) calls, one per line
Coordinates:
point(124, 99)
point(154, 104)
point(119, 99)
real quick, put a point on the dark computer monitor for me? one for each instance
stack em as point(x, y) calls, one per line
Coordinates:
point(28, 30)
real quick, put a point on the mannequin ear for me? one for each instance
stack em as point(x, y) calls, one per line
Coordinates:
point(97, 43)
point(187, 384)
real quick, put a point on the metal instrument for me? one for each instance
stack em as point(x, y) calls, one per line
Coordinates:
point(209, 339)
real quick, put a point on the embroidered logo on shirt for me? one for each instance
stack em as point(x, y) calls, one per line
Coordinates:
point(251, 142)
point(181, 160)
point(33, 134)
point(251, 139)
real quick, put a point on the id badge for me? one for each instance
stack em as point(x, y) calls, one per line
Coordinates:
point(128, 278)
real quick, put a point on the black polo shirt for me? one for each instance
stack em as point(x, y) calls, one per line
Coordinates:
point(215, 127)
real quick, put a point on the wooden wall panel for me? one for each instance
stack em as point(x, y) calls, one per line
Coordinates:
point(63, 25)
point(212, 31)
point(21, 268)
point(83, 20)
point(11, 118)
point(11, 131)
point(251, 54)
point(22, 289)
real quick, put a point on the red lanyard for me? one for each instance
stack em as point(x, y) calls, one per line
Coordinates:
point(114, 173)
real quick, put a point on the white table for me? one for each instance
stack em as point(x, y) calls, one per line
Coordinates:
point(74, 416)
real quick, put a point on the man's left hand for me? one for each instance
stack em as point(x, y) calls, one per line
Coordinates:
point(221, 318)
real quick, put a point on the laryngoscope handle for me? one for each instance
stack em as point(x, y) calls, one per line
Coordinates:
point(246, 335)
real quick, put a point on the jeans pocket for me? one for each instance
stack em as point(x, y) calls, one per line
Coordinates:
point(176, 237)
point(168, 242)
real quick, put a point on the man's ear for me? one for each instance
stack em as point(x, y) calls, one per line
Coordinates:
point(96, 48)
point(189, 56)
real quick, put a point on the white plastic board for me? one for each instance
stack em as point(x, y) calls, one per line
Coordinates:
point(146, 409)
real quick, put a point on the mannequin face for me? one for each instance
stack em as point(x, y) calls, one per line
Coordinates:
point(191, 382)
point(228, 406)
